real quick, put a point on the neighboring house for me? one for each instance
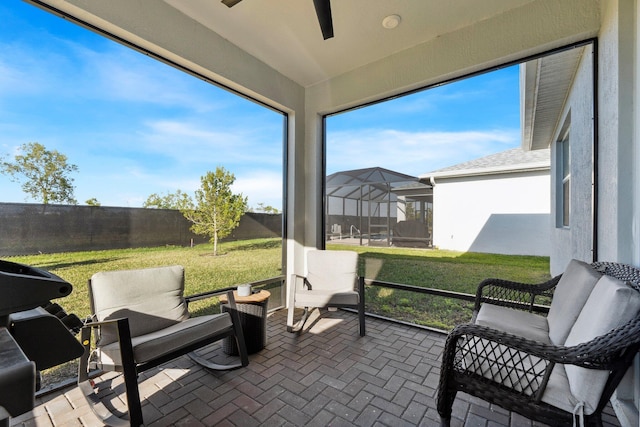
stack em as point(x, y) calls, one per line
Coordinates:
point(557, 110)
point(494, 204)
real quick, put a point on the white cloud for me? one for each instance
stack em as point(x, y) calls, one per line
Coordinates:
point(260, 186)
point(193, 143)
point(106, 71)
point(121, 74)
point(413, 153)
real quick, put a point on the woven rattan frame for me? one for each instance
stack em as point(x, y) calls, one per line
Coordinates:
point(613, 351)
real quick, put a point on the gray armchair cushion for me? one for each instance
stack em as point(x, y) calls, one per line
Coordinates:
point(503, 364)
point(521, 323)
point(570, 295)
point(612, 303)
point(332, 277)
point(151, 298)
point(158, 343)
point(558, 391)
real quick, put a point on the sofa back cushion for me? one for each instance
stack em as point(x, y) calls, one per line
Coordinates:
point(569, 297)
point(612, 303)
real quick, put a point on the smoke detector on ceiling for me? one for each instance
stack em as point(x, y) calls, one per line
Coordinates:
point(392, 21)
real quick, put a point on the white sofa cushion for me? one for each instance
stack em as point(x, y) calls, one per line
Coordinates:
point(569, 297)
point(612, 303)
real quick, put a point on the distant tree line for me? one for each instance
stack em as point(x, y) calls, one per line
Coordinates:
point(213, 211)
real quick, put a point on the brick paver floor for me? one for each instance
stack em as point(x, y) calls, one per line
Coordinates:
point(326, 376)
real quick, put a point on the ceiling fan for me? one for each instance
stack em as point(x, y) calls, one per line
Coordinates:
point(323, 11)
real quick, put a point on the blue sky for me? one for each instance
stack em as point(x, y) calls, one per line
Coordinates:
point(431, 129)
point(134, 126)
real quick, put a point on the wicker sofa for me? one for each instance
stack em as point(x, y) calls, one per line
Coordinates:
point(555, 367)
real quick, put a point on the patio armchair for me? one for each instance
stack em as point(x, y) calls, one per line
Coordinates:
point(142, 320)
point(550, 368)
point(331, 281)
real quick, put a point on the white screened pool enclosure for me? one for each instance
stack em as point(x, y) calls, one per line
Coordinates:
point(378, 207)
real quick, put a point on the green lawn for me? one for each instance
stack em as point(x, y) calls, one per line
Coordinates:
point(454, 271)
point(237, 262)
point(251, 260)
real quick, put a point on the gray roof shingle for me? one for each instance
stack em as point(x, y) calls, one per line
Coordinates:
point(509, 160)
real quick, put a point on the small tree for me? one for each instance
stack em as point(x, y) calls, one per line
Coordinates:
point(217, 210)
point(92, 202)
point(44, 174)
point(177, 200)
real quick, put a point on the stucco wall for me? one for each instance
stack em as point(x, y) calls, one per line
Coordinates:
point(575, 241)
point(618, 174)
point(617, 166)
point(506, 214)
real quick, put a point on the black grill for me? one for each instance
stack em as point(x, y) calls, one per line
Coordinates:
point(35, 334)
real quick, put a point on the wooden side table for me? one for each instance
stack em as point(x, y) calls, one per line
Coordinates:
point(252, 311)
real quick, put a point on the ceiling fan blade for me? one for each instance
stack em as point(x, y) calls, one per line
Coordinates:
point(230, 3)
point(323, 10)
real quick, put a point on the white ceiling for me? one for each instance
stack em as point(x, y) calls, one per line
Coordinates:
point(285, 34)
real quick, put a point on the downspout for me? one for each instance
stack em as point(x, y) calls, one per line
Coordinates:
point(432, 181)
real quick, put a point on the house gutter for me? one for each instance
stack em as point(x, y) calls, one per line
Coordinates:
point(497, 170)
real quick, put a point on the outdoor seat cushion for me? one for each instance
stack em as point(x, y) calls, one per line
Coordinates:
point(502, 364)
point(612, 303)
point(517, 322)
point(604, 305)
point(558, 391)
point(151, 298)
point(332, 270)
point(330, 281)
point(158, 343)
point(570, 295)
point(326, 298)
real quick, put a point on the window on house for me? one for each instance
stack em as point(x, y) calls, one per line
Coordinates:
point(564, 162)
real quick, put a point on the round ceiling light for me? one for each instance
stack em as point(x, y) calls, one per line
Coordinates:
point(391, 21)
